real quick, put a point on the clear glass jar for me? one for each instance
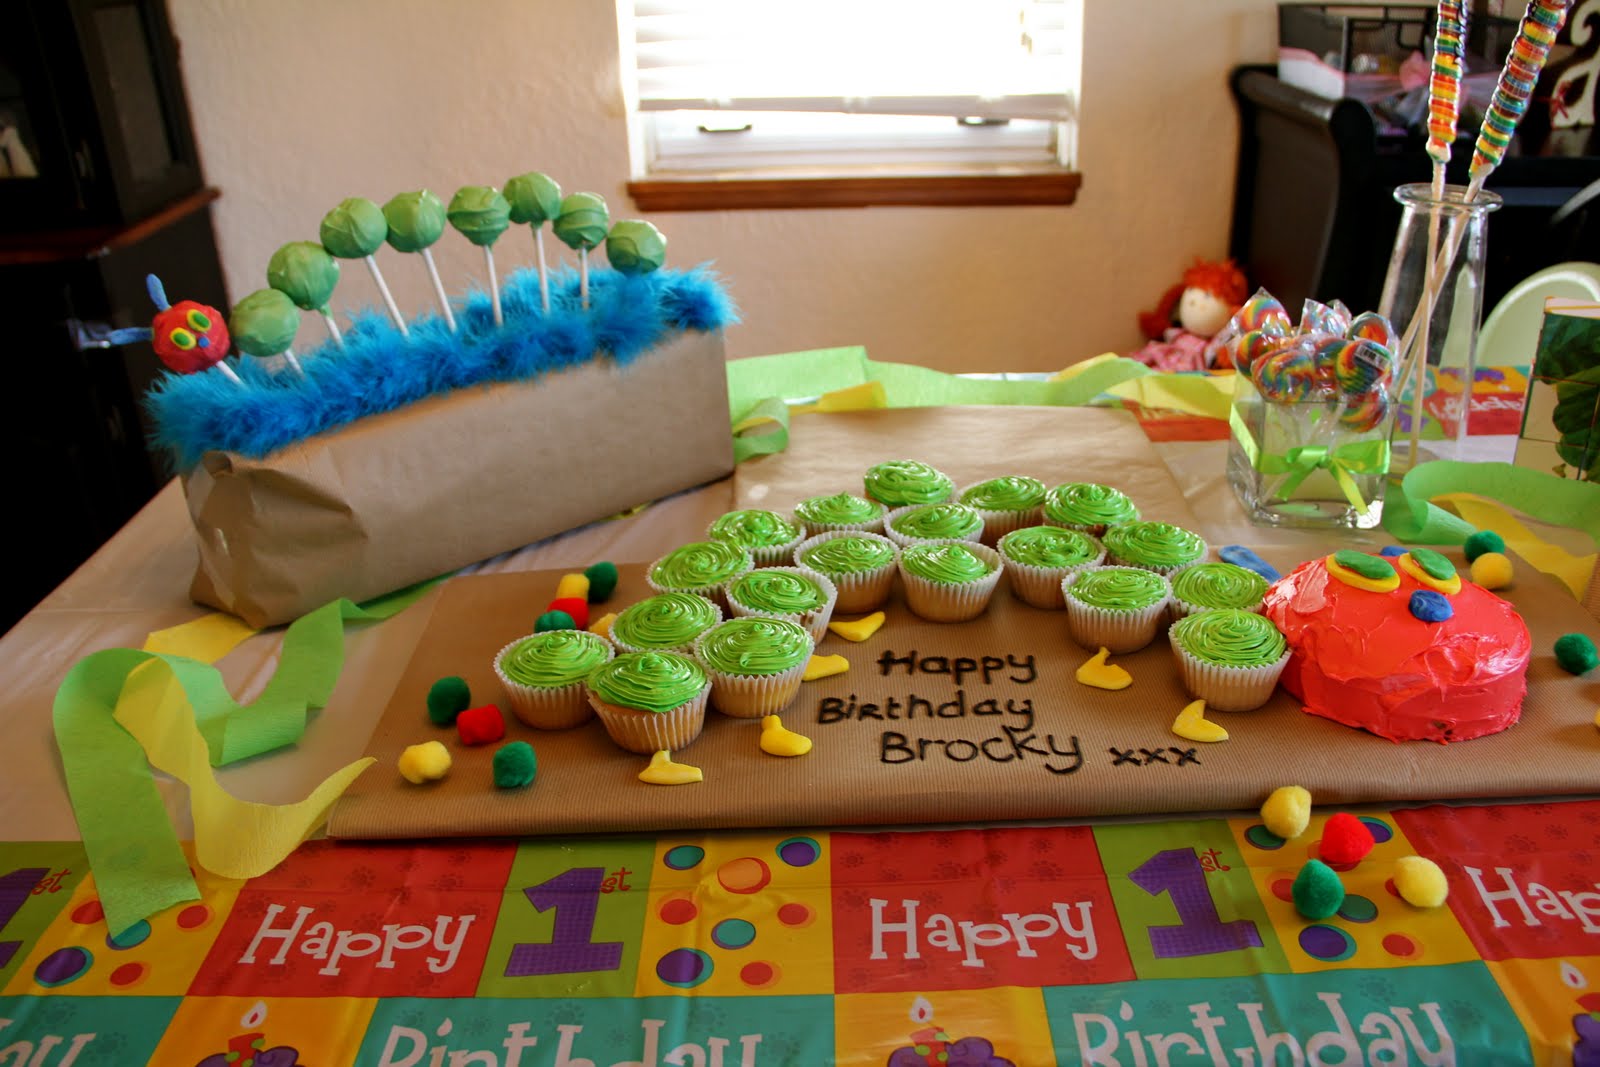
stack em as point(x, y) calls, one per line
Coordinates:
point(1436, 392)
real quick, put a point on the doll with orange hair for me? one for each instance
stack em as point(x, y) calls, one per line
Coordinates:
point(1190, 314)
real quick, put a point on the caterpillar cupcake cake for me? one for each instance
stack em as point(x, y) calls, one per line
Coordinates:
point(841, 511)
point(1119, 608)
point(1007, 503)
point(860, 565)
point(650, 701)
point(755, 664)
point(901, 482)
point(543, 676)
point(700, 567)
point(1155, 546)
point(770, 537)
point(666, 622)
point(949, 581)
point(933, 522)
point(1228, 657)
point(799, 595)
point(1038, 558)
point(1203, 586)
point(1087, 506)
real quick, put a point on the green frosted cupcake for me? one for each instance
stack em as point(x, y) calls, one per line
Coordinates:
point(543, 676)
point(933, 522)
point(650, 701)
point(901, 482)
point(666, 622)
point(1202, 586)
point(797, 594)
point(949, 581)
point(1119, 608)
point(1088, 506)
point(770, 537)
point(1229, 658)
point(1037, 558)
point(1155, 546)
point(1007, 503)
point(841, 511)
point(702, 567)
point(860, 565)
point(755, 664)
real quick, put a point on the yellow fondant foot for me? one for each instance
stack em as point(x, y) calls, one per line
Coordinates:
point(825, 667)
point(662, 771)
point(1102, 675)
point(1192, 724)
point(858, 630)
point(776, 740)
point(427, 762)
point(602, 625)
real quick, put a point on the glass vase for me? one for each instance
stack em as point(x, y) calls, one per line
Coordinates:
point(1433, 294)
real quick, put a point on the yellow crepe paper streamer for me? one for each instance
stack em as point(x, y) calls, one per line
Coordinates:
point(864, 397)
point(1207, 395)
point(1572, 571)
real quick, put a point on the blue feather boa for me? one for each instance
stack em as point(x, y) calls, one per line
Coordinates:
point(378, 370)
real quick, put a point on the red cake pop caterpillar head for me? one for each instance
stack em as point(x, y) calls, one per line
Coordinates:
point(188, 336)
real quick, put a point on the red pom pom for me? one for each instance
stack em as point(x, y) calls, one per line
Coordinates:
point(1345, 840)
point(576, 606)
point(481, 726)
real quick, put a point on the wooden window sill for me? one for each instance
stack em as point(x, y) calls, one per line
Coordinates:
point(956, 190)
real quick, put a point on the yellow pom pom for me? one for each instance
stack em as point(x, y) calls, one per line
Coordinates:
point(573, 585)
point(1419, 881)
point(1287, 811)
point(426, 762)
point(1492, 570)
point(602, 625)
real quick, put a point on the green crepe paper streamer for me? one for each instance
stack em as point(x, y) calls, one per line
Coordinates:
point(770, 438)
point(133, 850)
point(793, 374)
point(1408, 514)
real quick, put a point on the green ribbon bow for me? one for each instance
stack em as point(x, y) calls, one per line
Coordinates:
point(1343, 462)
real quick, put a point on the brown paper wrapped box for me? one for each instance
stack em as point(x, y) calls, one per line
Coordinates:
point(402, 497)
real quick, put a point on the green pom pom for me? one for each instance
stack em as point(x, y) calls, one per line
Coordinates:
point(602, 580)
point(1576, 653)
point(1317, 891)
point(1481, 542)
point(448, 698)
point(554, 620)
point(515, 765)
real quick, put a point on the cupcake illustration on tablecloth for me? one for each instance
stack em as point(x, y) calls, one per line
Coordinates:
point(931, 1046)
point(249, 1049)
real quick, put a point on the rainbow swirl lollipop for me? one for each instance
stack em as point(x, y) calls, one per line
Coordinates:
point(1444, 86)
point(1528, 53)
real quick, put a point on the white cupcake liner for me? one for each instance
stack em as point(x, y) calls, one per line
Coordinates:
point(1118, 631)
point(952, 601)
point(717, 594)
point(1042, 586)
point(815, 622)
point(905, 540)
point(1114, 560)
point(751, 696)
point(1227, 688)
point(858, 591)
point(769, 555)
point(648, 732)
point(686, 647)
point(558, 707)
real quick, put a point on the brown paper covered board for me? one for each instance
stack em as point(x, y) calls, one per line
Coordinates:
point(402, 497)
point(1046, 748)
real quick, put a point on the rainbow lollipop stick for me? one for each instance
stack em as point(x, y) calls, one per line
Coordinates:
point(1528, 53)
point(1444, 86)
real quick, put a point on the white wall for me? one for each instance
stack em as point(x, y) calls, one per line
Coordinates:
point(300, 103)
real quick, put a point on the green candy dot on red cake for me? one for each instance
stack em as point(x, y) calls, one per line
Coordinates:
point(602, 580)
point(1375, 568)
point(1576, 653)
point(447, 698)
point(554, 620)
point(1481, 542)
point(1433, 564)
point(515, 765)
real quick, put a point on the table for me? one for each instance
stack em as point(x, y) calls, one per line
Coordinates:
point(1006, 941)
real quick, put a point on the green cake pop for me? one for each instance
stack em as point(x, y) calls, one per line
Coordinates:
point(263, 324)
point(635, 247)
point(535, 200)
point(305, 273)
point(482, 215)
point(355, 230)
point(416, 220)
point(581, 225)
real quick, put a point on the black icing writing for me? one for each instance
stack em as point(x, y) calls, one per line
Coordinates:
point(987, 667)
point(1011, 745)
point(837, 709)
point(1144, 757)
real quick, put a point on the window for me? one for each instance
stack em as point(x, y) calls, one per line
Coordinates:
point(832, 102)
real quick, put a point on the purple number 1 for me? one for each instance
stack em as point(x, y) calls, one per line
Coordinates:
point(575, 895)
point(1201, 931)
point(15, 889)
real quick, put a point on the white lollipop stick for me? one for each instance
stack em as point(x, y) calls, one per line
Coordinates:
point(494, 285)
point(222, 366)
point(333, 327)
point(544, 274)
point(288, 354)
point(388, 297)
point(438, 290)
point(583, 277)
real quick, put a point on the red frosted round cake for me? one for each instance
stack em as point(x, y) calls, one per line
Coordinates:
point(1365, 656)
